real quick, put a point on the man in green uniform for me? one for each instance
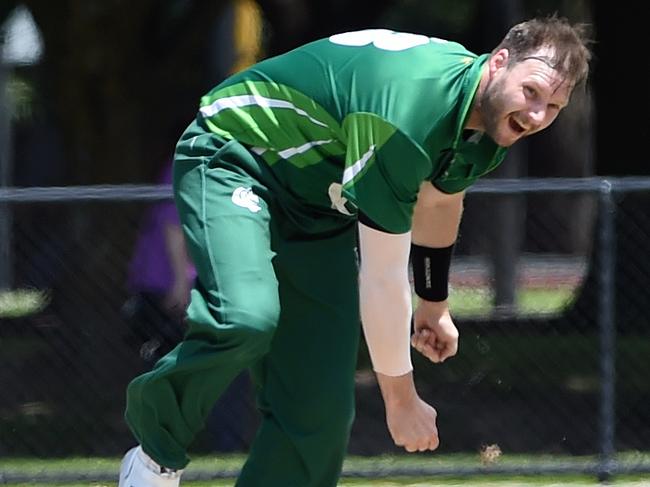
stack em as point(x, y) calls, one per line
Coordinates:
point(363, 139)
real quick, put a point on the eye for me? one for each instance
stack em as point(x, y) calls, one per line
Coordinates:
point(530, 92)
point(554, 106)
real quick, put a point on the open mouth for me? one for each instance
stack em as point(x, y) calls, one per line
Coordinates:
point(516, 126)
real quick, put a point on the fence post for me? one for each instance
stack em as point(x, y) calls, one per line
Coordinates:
point(5, 173)
point(607, 327)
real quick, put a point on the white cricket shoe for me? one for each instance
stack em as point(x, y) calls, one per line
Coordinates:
point(139, 470)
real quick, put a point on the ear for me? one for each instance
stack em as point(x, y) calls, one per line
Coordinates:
point(498, 60)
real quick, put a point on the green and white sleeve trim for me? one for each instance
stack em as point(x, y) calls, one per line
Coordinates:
point(353, 170)
point(241, 101)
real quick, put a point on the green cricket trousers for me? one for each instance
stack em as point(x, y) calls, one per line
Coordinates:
point(270, 296)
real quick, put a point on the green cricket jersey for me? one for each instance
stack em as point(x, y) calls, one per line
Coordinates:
point(359, 120)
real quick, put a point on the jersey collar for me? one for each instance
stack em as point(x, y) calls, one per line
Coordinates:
point(470, 85)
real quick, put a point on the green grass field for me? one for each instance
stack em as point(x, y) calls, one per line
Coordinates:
point(357, 471)
point(417, 482)
point(499, 481)
point(469, 301)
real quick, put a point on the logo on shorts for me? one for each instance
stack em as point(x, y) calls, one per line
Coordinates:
point(245, 198)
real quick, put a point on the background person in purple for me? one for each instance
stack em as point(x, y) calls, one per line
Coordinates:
point(160, 278)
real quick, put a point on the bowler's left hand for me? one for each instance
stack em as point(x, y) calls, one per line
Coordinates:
point(435, 335)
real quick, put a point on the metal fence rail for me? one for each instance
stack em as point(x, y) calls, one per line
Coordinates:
point(564, 365)
point(152, 192)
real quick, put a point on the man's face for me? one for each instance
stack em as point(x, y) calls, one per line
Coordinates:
point(522, 99)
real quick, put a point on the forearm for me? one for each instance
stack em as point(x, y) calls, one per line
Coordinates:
point(385, 299)
point(436, 217)
point(435, 229)
point(397, 391)
point(385, 314)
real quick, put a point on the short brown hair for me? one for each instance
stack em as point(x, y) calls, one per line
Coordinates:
point(569, 44)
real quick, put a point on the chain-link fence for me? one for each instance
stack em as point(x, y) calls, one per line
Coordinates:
point(550, 291)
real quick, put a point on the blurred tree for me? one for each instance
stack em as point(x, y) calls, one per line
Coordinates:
point(120, 79)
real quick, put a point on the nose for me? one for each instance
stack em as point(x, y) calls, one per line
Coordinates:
point(537, 114)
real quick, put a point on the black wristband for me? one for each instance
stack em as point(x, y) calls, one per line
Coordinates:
point(431, 271)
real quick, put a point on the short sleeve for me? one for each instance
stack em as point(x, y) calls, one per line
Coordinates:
point(383, 171)
point(470, 161)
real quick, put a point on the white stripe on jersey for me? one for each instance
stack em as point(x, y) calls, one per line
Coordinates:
point(357, 167)
point(292, 151)
point(239, 101)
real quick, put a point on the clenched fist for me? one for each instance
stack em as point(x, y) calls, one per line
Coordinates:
point(435, 336)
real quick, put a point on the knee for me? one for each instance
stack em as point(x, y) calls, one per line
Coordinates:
point(252, 320)
point(245, 323)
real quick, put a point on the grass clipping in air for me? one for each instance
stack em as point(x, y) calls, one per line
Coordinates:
point(490, 454)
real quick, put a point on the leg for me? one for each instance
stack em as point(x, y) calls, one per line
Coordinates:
point(232, 315)
point(307, 379)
